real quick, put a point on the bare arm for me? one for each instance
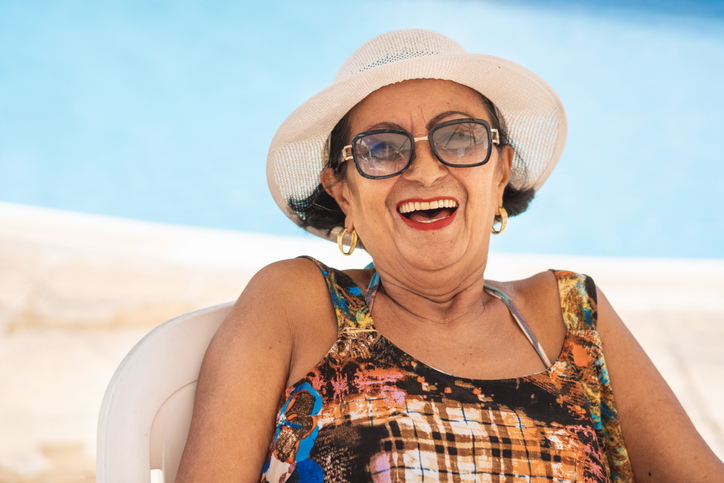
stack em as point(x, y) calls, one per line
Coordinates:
point(662, 442)
point(243, 376)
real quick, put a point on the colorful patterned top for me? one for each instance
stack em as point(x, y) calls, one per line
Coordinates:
point(371, 412)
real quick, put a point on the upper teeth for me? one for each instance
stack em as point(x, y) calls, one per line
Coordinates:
point(411, 206)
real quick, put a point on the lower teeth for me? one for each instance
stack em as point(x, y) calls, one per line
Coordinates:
point(433, 220)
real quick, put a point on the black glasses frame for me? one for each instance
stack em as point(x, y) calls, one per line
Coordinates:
point(349, 152)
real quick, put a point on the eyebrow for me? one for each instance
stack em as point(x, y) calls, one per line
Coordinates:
point(385, 125)
point(434, 121)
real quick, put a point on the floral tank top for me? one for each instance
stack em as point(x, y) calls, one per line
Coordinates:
point(371, 412)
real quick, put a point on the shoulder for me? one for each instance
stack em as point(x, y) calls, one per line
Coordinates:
point(538, 294)
point(267, 340)
point(285, 305)
point(284, 283)
point(265, 304)
point(536, 286)
point(553, 302)
point(273, 295)
point(537, 299)
point(285, 290)
point(287, 272)
point(573, 295)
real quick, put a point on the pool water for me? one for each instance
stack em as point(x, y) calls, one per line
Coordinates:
point(164, 111)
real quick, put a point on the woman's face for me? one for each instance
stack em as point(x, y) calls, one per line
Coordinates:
point(383, 210)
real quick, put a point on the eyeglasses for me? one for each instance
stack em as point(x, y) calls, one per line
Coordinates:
point(384, 153)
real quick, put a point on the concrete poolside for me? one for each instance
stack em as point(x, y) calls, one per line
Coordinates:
point(78, 291)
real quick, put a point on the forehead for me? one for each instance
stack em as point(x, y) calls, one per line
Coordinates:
point(410, 102)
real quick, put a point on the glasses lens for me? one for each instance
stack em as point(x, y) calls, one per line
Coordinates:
point(382, 154)
point(463, 143)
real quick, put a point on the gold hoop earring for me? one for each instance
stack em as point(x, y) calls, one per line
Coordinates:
point(503, 221)
point(352, 244)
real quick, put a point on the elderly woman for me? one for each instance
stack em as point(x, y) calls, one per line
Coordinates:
point(419, 368)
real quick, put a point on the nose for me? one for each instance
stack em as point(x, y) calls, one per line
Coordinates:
point(425, 167)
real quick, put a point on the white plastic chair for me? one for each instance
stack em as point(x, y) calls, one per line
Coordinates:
point(146, 411)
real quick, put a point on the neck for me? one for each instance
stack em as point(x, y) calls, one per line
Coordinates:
point(441, 297)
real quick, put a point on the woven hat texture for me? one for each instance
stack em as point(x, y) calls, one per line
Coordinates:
point(531, 110)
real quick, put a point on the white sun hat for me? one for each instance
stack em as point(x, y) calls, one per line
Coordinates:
point(530, 109)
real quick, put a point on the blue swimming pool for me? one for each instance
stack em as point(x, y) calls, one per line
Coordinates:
point(164, 111)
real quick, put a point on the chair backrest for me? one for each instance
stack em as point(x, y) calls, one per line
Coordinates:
point(146, 411)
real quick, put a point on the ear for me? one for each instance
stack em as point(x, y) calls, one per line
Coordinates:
point(336, 188)
point(505, 164)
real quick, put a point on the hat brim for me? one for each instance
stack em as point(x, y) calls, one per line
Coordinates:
point(532, 111)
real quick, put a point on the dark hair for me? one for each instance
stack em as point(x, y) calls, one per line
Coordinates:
point(319, 210)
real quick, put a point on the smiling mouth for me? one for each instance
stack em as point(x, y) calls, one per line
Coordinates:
point(428, 211)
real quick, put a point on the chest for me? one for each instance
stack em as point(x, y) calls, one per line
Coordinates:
point(392, 416)
point(486, 348)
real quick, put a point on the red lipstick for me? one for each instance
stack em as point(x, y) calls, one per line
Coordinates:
point(432, 224)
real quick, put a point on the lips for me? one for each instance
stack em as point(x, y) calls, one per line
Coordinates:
point(428, 214)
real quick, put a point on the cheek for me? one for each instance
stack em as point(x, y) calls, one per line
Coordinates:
point(369, 199)
point(482, 195)
point(360, 194)
point(482, 184)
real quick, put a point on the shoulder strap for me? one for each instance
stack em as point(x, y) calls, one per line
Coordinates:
point(372, 287)
point(347, 299)
point(579, 308)
point(578, 300)
point(524, 327)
